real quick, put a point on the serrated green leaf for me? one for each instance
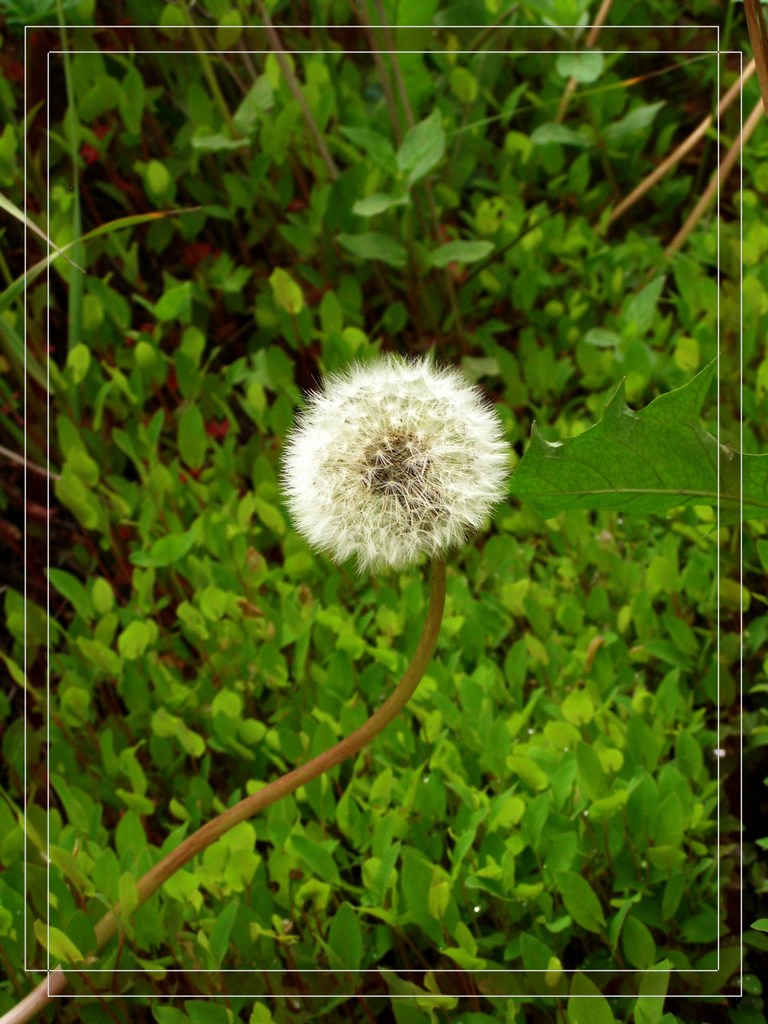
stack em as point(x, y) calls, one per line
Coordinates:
point(642, 462)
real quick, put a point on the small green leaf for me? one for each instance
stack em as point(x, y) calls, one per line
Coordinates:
point(649, 1007)
point(208, 142)
point(221, 931)
point(288, 295)
point(422, 147)
point(135, 639)
point(377, 203)
point(192, 438)
point(586, 1004)
point(99, 655)
point(78, 361)
point(176, 303)
point(460, 252)
point(59, 945)
point(590, 772)
point(74, 591)
point(463, 84)
point(600, 338)
point(584, 67)
point(128, 894)
point(164, 551)
point(345, 938)
point(638, 944)
point(131, 101)
point(158, 180)
point(560, 133)
point(371, 245)
point(580, 900)
point(270, 515)
point(640, 309)
point(102, 596)
point(634, 124)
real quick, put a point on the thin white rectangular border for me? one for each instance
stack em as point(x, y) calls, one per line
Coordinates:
point(718, 53)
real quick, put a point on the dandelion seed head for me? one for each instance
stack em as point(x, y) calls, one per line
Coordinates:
point(391, 460)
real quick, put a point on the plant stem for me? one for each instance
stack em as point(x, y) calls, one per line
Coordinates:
point(717, 181)
point(293, 85)
point(108, 926)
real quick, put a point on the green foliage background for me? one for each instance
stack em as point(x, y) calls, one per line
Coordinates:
point(549, 818)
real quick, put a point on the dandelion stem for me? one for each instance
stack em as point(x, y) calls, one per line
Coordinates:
point(270, 794)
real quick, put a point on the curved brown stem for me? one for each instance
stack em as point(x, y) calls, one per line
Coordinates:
point(270, 794)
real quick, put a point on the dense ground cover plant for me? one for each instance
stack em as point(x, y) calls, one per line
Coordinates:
point(550, 809)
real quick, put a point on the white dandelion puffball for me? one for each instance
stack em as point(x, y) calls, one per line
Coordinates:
point(393, 459)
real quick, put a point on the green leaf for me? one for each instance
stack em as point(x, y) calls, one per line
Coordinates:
point(600, 338)
point(649, 1007)
point(99, 655)
point(316, 857)
point(192, 437)
point(460, 252)
point(128, 894)
point(638, 944)
point(131, 101)
point(216, 142)
point(158, 179)
point(560, 133)
point(375, 146)
point(586, 1004)
point(288, 295)
point(378, 203)
point(584, 67)
point(164, 551)
point(270, 515)
point(580, 900)
point(74, 591)
point(590, 772)
point(372, 245)
point(642, 462)
point(222, 929)
point(422, 147)
point(176, 303)
point(635, 123)
point(59, 945)
point(135, 639)
point(345, 938)
point(761, 924)
point(640, 309)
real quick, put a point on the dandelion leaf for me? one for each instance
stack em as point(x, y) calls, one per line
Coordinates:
point(644, 462)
